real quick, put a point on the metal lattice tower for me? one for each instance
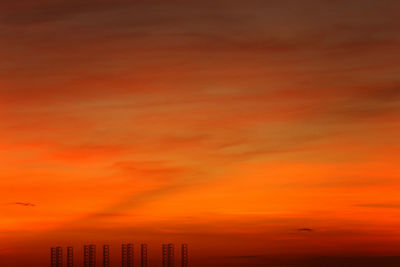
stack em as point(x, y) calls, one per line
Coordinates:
point(184, 256)
point(70, 257)
point(106, 256)
point(129, 255)
point(171, 255)
point(123, 255)
point(53, 261)
point(164, 255)
point(59, 257)
point(92, 255)
point(86, 256)
point(143, 252)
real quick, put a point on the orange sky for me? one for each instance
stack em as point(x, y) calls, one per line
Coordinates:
point(229, 125)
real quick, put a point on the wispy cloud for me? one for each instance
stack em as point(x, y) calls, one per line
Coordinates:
point(380, 205)
point(24, 204)
point(305, 229)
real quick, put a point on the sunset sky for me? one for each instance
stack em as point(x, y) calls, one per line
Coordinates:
point(247, 129)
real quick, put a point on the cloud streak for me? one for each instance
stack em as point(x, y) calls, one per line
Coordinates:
point(305, 229)
point(24, 204)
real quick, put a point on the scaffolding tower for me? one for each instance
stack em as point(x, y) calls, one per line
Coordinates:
point(129, 255)
point(143, 252)
point(184, 256)
point(70, 257)
point(59, 257)
point(123, 255)
point(164, 255)
point(106, 256)
point(86, 256)
point(171, 255)
point(92, 255)
point(53, 260)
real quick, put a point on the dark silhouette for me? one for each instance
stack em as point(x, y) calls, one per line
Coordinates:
point(143, 255)
point(127, 255)
point(184, 255)
point(106, 256)
point(70, 257)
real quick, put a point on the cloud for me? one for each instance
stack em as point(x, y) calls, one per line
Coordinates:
point(385, 93)
point(26, 13)
point(305, 229)
point(25, 204)
point(380, 205)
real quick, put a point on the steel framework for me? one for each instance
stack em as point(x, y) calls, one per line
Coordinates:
point(164, 255)
point(59, 257)
point(53, 260)
point(143, 252)
point(171, 255)
point(123, 255)
point(129, 255)
point(86, 256)
point(106, 256)
point(184, 256)
point(92, 255)
point(70, 257)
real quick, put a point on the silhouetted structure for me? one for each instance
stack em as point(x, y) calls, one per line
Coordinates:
point(164, 255)
point(86, 256)
point(53, 260)
point(184, 256)
point(106, 256)
point(59, 257)
point(92, 255)
point(70, 257)
point(143, 254)
point(123, 256)
point(129, 255)
point(171, 255)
